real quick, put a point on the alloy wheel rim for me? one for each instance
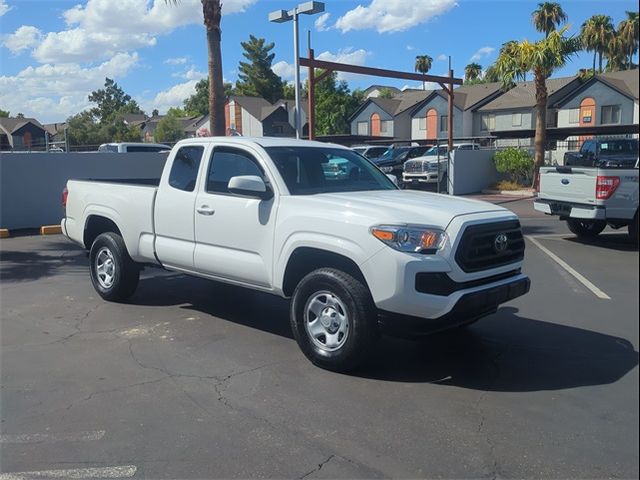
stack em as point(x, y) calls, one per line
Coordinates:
point(326, 321)
point(105, 267)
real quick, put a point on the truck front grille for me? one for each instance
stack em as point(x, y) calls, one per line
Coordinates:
point(482, 247)
point(414, 167)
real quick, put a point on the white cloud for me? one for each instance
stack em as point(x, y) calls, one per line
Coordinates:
point(392, 15)
point(483, 52)
point(101, 28)
point(172, 97)
point(23, 38)
point(321, 22)
point(53, 92)
point(284, 70)
point(190, 74)
point(411, 48)
point(4, 8)
point(176, 61)
point(347, 55)
point(442, 58)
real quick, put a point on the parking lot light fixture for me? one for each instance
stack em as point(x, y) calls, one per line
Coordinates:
point(282, 16)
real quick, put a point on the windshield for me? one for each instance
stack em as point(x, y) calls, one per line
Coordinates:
point(436, 151)
point(391, 153)
point(310, 170)
point(619, 147)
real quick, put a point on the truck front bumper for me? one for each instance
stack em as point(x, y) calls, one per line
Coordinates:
point(468, 308)
point(425, 178)
point(570, 210)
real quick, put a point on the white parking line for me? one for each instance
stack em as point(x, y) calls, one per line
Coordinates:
point(577, 275)
point(124, 471)
point(52, 437)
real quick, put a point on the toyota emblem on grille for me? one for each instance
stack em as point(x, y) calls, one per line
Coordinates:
point(500, 243)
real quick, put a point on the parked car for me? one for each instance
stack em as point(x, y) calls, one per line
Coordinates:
point(589, 198)
point(433, 166)
point(355, 254)
point(371, 152)
point(604, 153)
point(393, 159)
point(133, 147)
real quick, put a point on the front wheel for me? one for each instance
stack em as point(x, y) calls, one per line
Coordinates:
point(333, 319)
point(113, 273)
point(586, 228)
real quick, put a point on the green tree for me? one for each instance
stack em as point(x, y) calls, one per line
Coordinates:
point(386, 93)
point(83, 130)
point(596, 34)
point(423, 65)
point(516, 164)
point(629, 31)
point(255, 77)
point(155, 112)
point(19, 115)
point(118, 131)
point(616, 53)
point(334, 105)
point(542, 58)
point(491, 74)
point(4, 113)
point(198, 103)
point(111, 101)
point(169, 129)
point(547, 17)
point(472, 72)
point(176, 112)
point(212, 15)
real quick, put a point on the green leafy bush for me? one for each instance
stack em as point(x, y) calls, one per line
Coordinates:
point(516, 164)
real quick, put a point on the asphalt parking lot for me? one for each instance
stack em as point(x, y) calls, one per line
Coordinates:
point(193, 379)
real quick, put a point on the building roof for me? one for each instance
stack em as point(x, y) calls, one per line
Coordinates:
point(253, 105)
point(133, 118)
point(523, 95)
point(625, 81)
point(55, 128)
point(397, 105)
point(369, 90)
point(12, 124)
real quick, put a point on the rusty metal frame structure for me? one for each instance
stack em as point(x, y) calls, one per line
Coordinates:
point(446, 83)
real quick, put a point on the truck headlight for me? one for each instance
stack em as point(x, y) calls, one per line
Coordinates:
point(411, 239)
point(386, 169)
point(432, 167)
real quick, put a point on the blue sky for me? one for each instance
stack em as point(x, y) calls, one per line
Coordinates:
point(54, 52)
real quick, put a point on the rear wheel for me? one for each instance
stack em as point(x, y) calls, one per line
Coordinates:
point(113, 273)
point(333, 319)
point(586, 228)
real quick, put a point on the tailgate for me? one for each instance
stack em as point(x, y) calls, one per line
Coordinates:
point(568, 184)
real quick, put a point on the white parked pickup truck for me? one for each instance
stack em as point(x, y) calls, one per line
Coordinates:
point(591, 197)
point(356, 255)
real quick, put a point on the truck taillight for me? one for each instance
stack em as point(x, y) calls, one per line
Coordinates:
point(606, 186)
point(65, 194)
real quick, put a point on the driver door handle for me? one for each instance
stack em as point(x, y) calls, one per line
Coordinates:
point(205, 210)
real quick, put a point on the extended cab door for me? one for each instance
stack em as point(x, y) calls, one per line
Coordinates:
point(175, 208)
point(234, 233)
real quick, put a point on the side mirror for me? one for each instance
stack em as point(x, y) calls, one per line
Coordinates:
point(250, 186)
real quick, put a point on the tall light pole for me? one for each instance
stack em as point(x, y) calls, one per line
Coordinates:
point(282, 16)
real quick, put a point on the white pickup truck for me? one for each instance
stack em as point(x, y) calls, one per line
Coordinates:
point(356, 254)
point(591, 197)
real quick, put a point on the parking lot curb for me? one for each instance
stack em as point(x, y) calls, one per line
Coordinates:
point(50, 230)
point(4, 233)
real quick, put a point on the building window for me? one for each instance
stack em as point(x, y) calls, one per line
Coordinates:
point(444, 123)
point(487, 122)
point(552, 118)
point(363, 128)
point(516, 120)
point(574, 116)
point(422, 123)
point(385, 126)
point(610, 114)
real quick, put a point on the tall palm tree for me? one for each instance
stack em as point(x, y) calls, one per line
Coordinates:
point(541, 58)
point(596, 33)
point(616, 53)
point(212, 14)
point(472, 71)
point(629, 32)
point(423, 65)
point(548, 16)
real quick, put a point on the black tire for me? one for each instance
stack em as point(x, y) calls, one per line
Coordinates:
point(354, 298)
point(633, 230)
point(586, 228)
point(125, 272)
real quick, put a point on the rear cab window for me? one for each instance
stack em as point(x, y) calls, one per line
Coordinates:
point(184, 170)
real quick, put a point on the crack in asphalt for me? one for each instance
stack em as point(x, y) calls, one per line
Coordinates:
point(319, 467)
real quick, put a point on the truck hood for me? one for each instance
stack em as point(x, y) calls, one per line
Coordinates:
point(401, 206)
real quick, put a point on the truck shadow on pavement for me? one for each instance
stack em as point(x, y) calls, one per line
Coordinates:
point(613, 241)
point(503, 352)
point(17, 265)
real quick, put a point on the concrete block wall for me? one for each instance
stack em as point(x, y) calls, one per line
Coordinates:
point(472, 171)
point(31, 184)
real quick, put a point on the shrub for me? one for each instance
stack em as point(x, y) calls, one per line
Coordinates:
point(516, 164)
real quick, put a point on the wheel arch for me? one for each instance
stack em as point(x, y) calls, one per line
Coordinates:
point(95, 225)
point(304, 260)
